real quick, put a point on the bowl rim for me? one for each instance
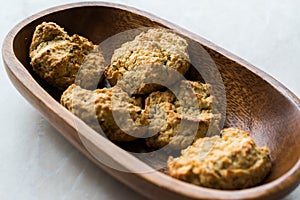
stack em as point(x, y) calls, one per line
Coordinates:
point(282, 185)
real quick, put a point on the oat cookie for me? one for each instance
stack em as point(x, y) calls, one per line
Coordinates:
point(106, 107)
point(177, 123)
point(232, 161)
point(57, 57)
point(156, 48)
point(91, 71)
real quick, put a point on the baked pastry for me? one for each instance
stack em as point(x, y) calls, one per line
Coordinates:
point(91, 71)
point(177, 119)
point(157, 48)
point(229, 161)
point(57, 57)
point(108, 110)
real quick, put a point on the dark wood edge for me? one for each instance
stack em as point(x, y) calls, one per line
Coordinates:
point(19, 76)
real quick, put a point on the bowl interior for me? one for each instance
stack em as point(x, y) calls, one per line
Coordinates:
point(252, 103)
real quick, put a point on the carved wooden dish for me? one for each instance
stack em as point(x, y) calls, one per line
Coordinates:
point(255, 102)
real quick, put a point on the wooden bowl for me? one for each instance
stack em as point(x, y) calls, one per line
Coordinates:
point(255, 102)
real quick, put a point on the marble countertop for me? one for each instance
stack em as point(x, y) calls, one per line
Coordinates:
point(38, 163)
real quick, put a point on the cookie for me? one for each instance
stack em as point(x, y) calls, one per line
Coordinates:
point(91, 71)
point(109, 110)
point(232, 161)
point(57, 57)
point(156, 48)
point(178, 120)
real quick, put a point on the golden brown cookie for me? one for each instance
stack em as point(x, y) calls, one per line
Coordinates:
point(232, 161)
point(109, 110)
point(178, 120)
point(156, 48)
point(57, 57)
point(91, 71)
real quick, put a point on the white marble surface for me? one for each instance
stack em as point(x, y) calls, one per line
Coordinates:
point(37, 163)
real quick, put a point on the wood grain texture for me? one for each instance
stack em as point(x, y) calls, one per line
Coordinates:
point(255, 102)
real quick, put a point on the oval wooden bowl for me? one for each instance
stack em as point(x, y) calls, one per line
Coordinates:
point(255, 102)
